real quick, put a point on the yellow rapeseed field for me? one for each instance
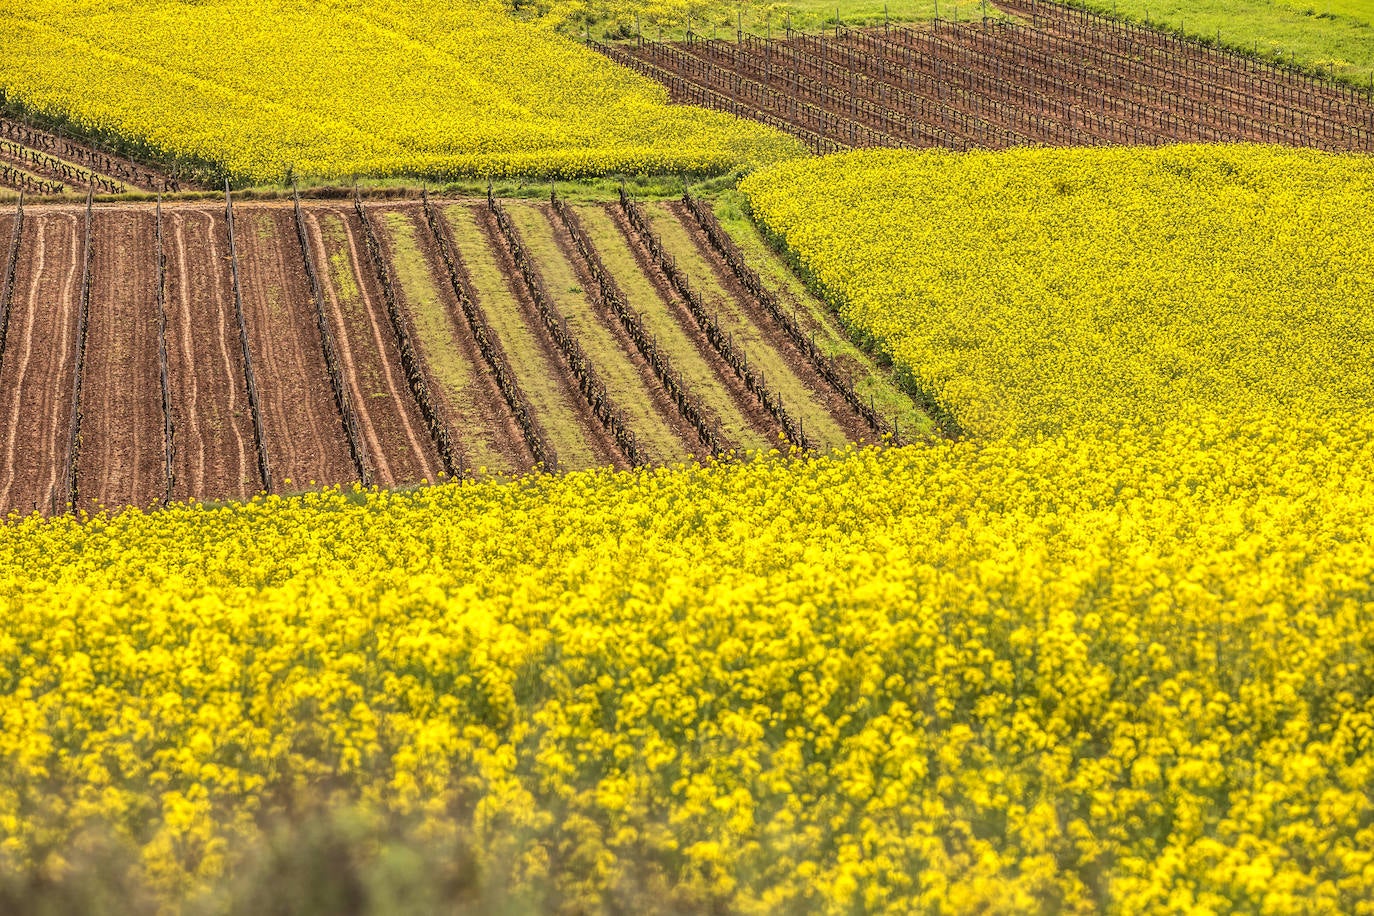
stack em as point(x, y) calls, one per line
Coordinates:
point(1051, 289)
point(953, 678)
point(1110, 651)
point(336, 88)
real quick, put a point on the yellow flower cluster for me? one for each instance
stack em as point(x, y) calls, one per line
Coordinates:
point(997, 677)
point(340, 87)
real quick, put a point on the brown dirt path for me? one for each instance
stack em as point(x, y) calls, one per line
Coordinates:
point(122, 459)
point(306, 445)
point(215, 456)
point(397, 440)
point(480, 425)
point(40, 358)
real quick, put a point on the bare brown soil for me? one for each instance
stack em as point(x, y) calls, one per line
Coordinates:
point(478, 419)
point(306, 445)
point(36, 379)
point(214, 454)
point(853, 425)
point(397, 441)
point(761, 421)
point(122, 461)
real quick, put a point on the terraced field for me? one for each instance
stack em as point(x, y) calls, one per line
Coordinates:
point(215, 351)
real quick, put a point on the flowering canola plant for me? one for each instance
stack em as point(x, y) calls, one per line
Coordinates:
point(339, 87)
point(1061, 664)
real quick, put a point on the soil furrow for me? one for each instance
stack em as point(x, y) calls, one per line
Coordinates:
point(401, 451)
point(121, 458)
point(305, 434)
point(36, 378)
point(212, 428)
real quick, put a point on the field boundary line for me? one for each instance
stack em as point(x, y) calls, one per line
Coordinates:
point(753, 284)
point(539, 447)
point(419, 386)
point(168, 429)
point(249, 380)
point(722, 341)
point(331, 357)
point(82, 319)
point(593, 390)
point(11, 269)
point(686, 402)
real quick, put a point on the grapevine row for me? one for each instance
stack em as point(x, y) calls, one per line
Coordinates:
point(83, 313)
point(112, 167)
point(815, 127)
point(753, 284)
point(645, 342)
point(331, 358)
point(1000, 84)
point(250, 381)
point(56, 169)
point(21, 181)
point(540, 450)
point(578, 363)
point(720, 340)
point(1132, 39)
point(410, 363)
point(168, 432)
point(7, 281)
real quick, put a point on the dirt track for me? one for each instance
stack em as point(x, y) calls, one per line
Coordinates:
point(122, 457)
point(214, 456)
point(36, 379)
point(305, 437)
